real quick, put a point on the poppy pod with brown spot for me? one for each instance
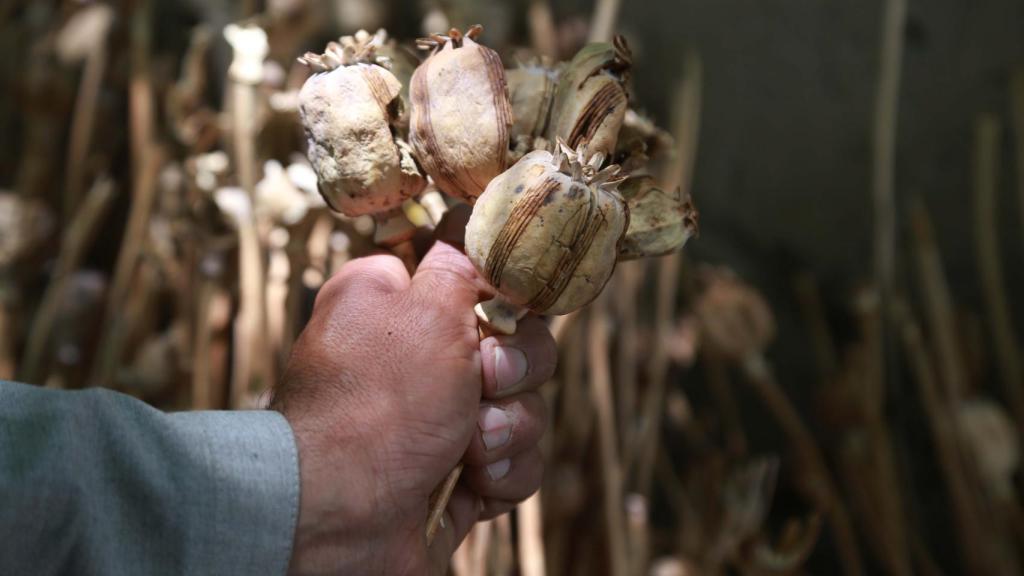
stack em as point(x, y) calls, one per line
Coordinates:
point(347, 108)
point(590, 100)
point(461, 114)
point(546, 232)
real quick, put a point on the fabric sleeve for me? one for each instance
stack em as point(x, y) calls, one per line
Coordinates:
point(96, 482)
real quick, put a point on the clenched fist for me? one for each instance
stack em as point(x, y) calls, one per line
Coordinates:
point(387, 389)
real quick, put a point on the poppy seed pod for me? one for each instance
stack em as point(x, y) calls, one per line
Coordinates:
point(461, 114)
point(347, 108)
point(590, 100)
point(659, 223)
point(531, 89)
point(546, 232)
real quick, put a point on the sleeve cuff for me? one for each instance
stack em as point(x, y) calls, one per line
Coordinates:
point(251, 500)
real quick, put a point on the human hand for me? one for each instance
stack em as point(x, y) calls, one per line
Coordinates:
point(383, 391)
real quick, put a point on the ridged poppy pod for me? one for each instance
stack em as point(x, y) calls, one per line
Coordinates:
point(546, 234)
point(347, 108)
point(659, 222)
point(531, 88)
point(402, 63)
point(461, 114)
point(591, 100)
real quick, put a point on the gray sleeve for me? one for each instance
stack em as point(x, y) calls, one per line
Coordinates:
point(96, 482)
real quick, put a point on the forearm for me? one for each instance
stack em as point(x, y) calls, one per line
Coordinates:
point(96, 482)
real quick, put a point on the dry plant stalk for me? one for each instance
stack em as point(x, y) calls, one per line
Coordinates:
point(147, 160)
point(7, 362)
point(250, 371)
point(611, 465)
point(530, 524)
point(605, 16)
point(938, 306)
point(686, 131)
point(84, 37)
point(822, 486)
point(883, 184)
point(986, 189)
point(882, 509)
point(1017, 106)
point(968, 528)
point(543, 34)
point(75, 241)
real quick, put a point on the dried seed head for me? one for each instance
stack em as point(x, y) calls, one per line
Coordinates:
point(531, 88)
point(402, 63)
point(989, 432)
point(590, 100)
point(360, 48)
point(250, 48)
point(348, 110)
point(659, 222)
point(24, 224)
point(546, 232)
point(461, 114)
point(640, 140)
point(735, 320)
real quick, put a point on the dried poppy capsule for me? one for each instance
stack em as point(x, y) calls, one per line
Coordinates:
point(460, 114)
point(640, 140)
point(403, 63)
point(531, 89)
point(590, 100)
point(347, 108)
point(659, 222)
point(546, 233)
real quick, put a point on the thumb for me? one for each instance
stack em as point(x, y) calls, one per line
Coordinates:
point(447, 274)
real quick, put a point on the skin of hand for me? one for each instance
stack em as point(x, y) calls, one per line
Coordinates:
point(387, 389)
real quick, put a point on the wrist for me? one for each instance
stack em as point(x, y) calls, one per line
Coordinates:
point(340, 514)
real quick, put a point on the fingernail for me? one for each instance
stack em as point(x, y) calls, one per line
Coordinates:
point(509, 366)
point(499, 469)
point(495, 427)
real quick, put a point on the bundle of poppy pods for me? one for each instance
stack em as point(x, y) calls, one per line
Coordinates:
point(558, 191)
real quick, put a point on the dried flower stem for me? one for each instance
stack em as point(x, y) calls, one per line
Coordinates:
point(144, 193)
point(210, 352)
point(987, 135)
point(1017, 105)
point(602, 27)
point(653, 407)
point(504, 556)
point(611, 470)
point(440, 501)
point(543, 34)
point(938, 305)
point(883, 511)
point(82, 124)
point(75, 242)
point(251, 372)
point(146, 165)
point(7, 363)
point(629, 277)
point(946, 445)
point(530, 526)
point(822, 488)
point(816, 324)
point(685, 129)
